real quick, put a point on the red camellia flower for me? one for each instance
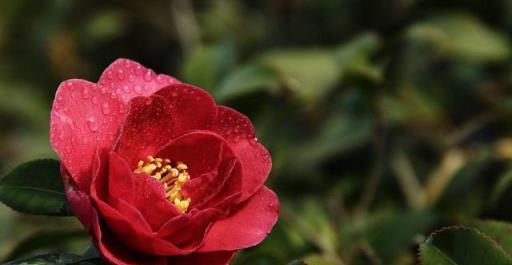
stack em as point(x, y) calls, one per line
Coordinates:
point(157, 172)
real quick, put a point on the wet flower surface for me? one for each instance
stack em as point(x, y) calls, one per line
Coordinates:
point(157, 172)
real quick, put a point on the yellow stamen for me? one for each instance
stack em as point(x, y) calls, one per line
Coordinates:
point(172, 178)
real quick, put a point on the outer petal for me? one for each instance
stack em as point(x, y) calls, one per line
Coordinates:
point(148, 126)
point(115, 251)
point(212, 258)
point(80, 204)
point(134, 236)
point(127, 79)
point(84, 119)
point(188, 234)
point(193, 108)
point(246, 227)
point(239, 132)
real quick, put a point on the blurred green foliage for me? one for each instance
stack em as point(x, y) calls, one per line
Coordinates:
point(386, 119)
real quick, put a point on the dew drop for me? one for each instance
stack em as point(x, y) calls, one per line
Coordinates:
point(148, 77)
point(110, 75)
point(85, 93)
point(139, 70)
point(126, 88)
point(160, 79)
point(92, 124)
point(127, 63)
point(120, 74)
point(94, 100)
point(138, 90)
point(105, 108)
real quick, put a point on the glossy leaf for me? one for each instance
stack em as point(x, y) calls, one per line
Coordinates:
point(35, 188)
point(462, 246)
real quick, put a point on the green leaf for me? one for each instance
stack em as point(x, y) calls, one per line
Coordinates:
point(205, 65)
point(391, 235)
point(462, 246)
point(309, 73)
point(56, 259)
point(35, 188)
point(248, 79)
point(498, 231)
point(462, 37)
point(354, 57)
point(355, 130)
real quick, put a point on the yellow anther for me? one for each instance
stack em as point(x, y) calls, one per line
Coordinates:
point(181, 166)
point(183, 177)
point(148, 169)
point(174, 172)
point(172, 178)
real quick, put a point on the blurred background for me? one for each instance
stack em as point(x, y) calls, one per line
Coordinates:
point(386, 119)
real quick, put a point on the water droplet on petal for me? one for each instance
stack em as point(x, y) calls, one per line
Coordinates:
point(105, 108)
point(94, 100)
point(110, 75)
point(85, 93)
point(127, 63)
point(92, 124)
point(120, 74)
point(139, 70)
point(160, 79)
point(148, 76)
point(138, 89)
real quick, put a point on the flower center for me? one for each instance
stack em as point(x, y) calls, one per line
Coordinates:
point(172, 176)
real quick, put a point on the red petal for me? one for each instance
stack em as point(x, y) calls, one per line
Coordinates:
point(127, 79)
point(148, 126)
point(134, 235)
point(202, 151)
point(83, 120)
point(229, 193)
point(120, 180)
point(192, 107)
point(207, 186)
point(239, 132)
point(151, 202)
point(188, 233)
point(212, 258)
point(115, 251)
point(246, 227)
point(80, 205)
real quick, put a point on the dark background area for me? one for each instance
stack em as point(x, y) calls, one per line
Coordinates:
point(386, 119)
